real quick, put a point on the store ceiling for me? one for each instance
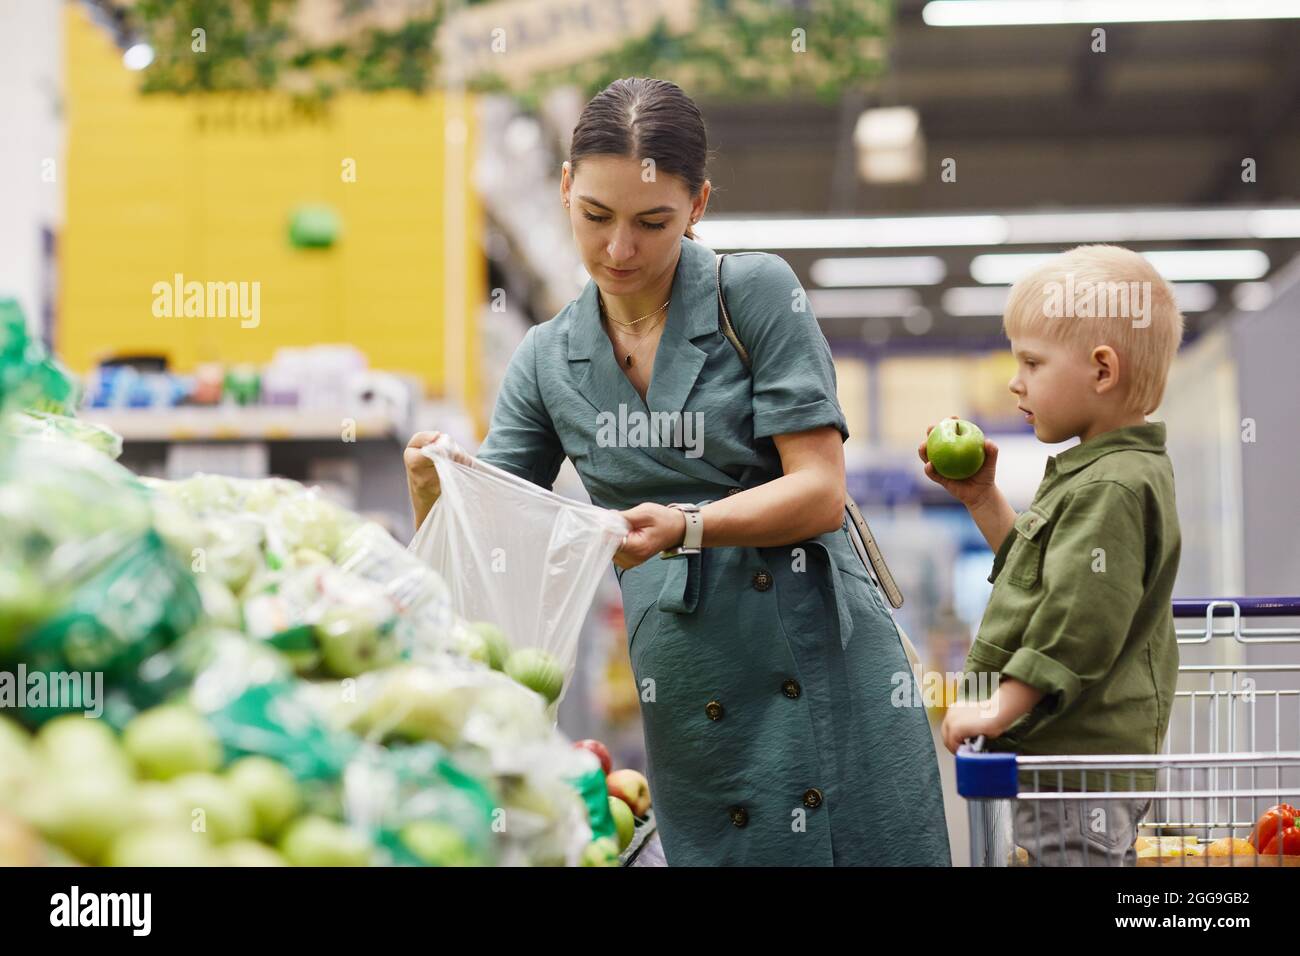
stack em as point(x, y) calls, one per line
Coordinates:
point(1036, 122)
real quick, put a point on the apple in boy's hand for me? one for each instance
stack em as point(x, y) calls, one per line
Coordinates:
point(956, 448)
point(630, 787)
point(601, 752)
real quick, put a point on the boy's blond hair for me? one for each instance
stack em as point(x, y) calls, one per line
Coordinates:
point(1104, 295)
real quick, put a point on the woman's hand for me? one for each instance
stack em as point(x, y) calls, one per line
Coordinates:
point(422, 475)
point(972, 491)
point(655, 528)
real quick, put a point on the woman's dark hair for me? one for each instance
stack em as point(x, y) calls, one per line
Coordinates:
point(645, 118)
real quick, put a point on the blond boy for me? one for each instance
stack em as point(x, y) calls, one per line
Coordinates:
point(1078, 627)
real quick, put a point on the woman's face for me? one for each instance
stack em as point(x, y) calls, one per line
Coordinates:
point(628, 223)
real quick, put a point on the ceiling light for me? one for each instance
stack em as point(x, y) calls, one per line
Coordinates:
point(137, 56)
point(1045, 228)
point(1252, 296)
point(862, 303)
point(1174, 265)
point(1194, 296)
point(880, 270)
point(858, 233)
point(975, 300)
point(981, 13)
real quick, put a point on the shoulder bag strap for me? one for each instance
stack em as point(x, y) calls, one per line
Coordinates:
point(873, 559)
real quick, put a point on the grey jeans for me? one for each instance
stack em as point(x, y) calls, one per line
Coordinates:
point(1079, 831)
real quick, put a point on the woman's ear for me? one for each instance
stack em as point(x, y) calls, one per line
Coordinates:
point(1105, 368)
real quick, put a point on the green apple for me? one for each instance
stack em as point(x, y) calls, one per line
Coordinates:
point(624, 822)
point(498, 645)
point(160, 805)
point(270, 789)
point(80, 745)
point(161, 846)
point(438, 844)
point(316, 841)
point(536, 670)
point(82, 813)
point(355, 639)
point(307, 557)
point(171, 740)
point(472, 645)
point(249, 853)
point(956, 448)
point(226, 815)
point(415, 703)
point(600, 852)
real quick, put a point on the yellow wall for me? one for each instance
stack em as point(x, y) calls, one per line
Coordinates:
point(204, 186)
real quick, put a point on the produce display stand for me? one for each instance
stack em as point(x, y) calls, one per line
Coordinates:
point(642, 839)
point(1242, 755)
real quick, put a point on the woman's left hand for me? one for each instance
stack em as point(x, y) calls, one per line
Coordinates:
point(655, 528)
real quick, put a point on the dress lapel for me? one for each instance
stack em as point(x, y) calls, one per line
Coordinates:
point(678, 361)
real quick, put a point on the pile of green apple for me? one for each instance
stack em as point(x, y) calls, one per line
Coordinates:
point(629, 805)
point(157, 795)
point(533, 667)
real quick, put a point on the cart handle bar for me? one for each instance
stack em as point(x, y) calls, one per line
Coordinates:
point(1249, 606)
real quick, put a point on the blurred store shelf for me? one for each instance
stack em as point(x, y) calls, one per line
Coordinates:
point(242, 423)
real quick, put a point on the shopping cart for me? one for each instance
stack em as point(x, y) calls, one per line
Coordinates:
point(1232, 751)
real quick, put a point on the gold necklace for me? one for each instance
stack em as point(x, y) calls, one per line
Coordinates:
point(627, 359)
point(628, 325)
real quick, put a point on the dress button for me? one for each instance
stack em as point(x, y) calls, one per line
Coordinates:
point(790, 688)
point(812, 798)
point(762, 580)
point(734, 491)
point(714, 710)
point(739, 816)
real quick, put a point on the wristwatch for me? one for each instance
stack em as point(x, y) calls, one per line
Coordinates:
point(694, 531)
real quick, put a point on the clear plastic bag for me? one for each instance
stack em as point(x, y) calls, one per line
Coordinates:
point(524, 558)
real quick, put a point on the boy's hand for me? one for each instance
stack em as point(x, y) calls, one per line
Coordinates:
point(967, 720)
point(969, 491)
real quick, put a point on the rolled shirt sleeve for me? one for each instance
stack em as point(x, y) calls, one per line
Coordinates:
point(1092, 584)
point(793, 373)
point(521, 438)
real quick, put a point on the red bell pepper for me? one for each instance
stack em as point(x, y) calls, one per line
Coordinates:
point(1288, 841)
point(1274, 819)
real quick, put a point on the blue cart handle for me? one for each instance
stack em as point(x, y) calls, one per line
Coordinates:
point(1250, 606)
point(985, 776)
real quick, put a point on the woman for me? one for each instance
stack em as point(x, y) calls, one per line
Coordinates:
point(765, 661)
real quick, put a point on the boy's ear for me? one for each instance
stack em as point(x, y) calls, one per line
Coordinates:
point(1105, 368)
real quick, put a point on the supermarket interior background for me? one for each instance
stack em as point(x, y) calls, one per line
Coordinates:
point(391, 190)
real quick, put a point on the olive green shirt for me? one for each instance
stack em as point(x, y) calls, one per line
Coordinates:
point(1081, 604)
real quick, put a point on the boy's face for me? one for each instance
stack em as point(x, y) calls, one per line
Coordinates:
point(1054, 386)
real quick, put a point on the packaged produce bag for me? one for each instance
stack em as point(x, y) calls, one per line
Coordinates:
point(514, 554)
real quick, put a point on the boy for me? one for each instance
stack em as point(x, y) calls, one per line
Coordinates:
point(1079, 628)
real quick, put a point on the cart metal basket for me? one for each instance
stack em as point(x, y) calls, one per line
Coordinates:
point(1232, 751)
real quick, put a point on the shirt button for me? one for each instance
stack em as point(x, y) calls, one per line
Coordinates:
point(812, 798)
point(762, 580)
point(790, 688)
point(739, 816)
point(734, 491)
point(713, 709)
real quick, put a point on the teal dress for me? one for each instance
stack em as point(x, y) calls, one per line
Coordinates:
point(765, 674)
